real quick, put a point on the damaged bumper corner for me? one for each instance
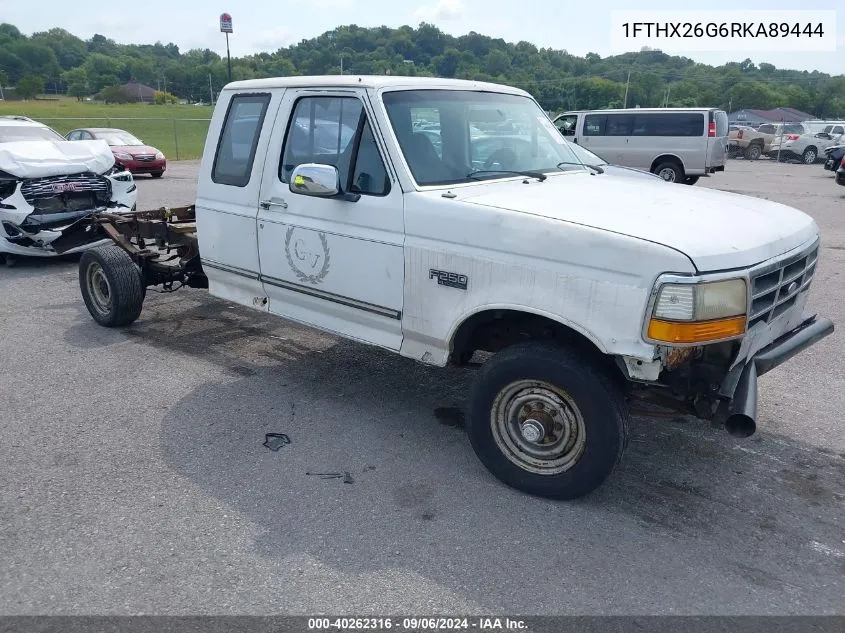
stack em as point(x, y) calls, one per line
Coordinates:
point(30, 229)
point(739, 389)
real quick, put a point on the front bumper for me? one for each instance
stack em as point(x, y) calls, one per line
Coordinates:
point(19, 237)
point(840, 177)
point(145, 167)
point(740, 385)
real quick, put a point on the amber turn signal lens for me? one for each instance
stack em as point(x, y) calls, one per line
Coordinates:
point(695, 332)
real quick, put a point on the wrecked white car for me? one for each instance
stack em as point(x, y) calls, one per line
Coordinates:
point(47, 183)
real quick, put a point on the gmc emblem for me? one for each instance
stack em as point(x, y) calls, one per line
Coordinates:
point(61, 187)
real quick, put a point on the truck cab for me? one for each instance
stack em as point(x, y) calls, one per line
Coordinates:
point(450, 222)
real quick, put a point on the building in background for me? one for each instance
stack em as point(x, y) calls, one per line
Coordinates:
point(136, 91)
point(778, 115)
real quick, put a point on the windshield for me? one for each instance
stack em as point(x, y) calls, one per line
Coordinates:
point(12, 133)
point(116, 137)
point(454, 136)
point(586, 156)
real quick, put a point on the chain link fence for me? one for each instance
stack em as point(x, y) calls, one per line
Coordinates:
point(179, 139)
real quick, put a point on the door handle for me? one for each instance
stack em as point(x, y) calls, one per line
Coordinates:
point(266, 204)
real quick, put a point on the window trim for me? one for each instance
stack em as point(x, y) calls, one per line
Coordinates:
point(363, 119)
point(253, 150)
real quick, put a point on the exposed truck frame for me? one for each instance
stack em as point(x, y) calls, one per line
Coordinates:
point(163, 246)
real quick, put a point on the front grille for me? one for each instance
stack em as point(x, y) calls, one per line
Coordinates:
point(145, 157)
point(58, 194)
point(775, 290)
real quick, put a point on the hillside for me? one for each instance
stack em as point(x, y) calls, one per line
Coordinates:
point(64, 63)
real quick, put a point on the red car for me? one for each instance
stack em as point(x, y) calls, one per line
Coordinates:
point(129, 151)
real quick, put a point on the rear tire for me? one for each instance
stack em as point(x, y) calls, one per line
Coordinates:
point(111, 286)
point(670, 171)
point(157, 174)
point(547, 421)
point(809, 156)
point(753, 152)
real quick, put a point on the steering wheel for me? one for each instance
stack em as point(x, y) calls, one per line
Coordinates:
point(505, 156)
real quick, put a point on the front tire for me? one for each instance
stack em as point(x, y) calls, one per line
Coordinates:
point(157, 174)
point(546, 421)
point(111, 286)
point(691, 180)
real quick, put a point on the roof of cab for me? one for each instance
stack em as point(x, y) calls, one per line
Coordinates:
point(369, 81)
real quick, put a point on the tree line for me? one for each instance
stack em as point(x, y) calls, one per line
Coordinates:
point(58, 62)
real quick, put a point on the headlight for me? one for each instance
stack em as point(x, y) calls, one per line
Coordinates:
point(159, 156)
point(122, 156)
point(698, 312)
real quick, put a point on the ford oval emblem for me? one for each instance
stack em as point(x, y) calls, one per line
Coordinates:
point(792, 288)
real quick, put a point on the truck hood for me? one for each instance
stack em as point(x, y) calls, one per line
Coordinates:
point(40, 159)
point(717, 230)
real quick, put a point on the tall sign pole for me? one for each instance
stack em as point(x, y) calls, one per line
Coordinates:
point(226, 27)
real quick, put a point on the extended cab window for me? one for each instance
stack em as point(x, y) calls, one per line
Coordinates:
point(335, 131)
point(236, 148)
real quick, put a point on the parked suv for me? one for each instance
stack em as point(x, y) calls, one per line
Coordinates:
point(678, 144)
point(807, 148)
point(47, 183)
point(752, 144)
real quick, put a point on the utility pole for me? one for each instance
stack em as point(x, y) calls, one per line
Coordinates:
point(668, 90)
point(210, 89)
point(341, 64)
point(627, 81)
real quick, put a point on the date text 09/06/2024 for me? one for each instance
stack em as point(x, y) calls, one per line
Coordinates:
point(416, 624)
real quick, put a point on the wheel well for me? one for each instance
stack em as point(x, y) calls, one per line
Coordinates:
point(666, 158)
point(812, 147)
point(756, 141)
point(493, 330)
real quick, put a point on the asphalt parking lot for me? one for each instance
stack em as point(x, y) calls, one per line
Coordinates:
point(134, 479)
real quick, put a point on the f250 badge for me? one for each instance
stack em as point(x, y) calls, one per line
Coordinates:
point(308, 257)
point(445, 278)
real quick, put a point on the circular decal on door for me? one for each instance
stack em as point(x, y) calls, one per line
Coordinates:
point(308, 254)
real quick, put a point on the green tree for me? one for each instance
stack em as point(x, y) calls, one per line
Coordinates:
point(497, 63)
point(77, 82)
point(113, 94)
point(30, 86)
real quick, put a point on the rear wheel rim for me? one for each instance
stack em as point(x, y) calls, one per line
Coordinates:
point(809, 156)
point(538, 427)
point(755, 153)
point(668, 174)
point(99, 288)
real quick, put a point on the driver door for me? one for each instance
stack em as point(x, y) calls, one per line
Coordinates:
point(334, 263)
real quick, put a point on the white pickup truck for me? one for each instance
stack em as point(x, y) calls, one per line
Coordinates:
point(324, 200)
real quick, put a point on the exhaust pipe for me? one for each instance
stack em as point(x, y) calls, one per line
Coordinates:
point(742, 411)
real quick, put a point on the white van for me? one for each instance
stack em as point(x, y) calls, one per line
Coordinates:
point(677, 144)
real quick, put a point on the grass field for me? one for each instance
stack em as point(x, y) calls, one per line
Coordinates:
point(169, 128)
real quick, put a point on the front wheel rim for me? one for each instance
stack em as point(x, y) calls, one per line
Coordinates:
point(667, 173)
point(538, 427)
point(99, 288)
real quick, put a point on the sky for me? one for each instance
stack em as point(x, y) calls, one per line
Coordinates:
point(578, 27)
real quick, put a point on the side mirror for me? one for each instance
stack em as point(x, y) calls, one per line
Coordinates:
point(313, 179)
